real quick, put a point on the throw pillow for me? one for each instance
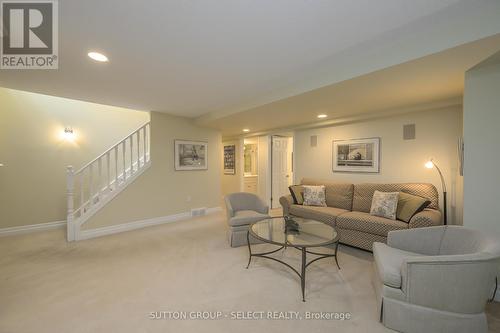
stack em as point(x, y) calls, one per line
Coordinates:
point(385, 204)
point(409, 205)
point(297, 192)
point(314, 195)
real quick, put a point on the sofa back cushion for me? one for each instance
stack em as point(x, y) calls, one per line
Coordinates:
point(337, 195)
point(363, 193)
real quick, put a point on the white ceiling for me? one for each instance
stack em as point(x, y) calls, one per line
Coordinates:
point(428, 82)
point(193, 57)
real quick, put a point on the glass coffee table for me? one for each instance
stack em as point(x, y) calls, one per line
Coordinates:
point(299, 233)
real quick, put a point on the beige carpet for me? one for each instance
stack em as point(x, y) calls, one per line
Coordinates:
point(112, 284)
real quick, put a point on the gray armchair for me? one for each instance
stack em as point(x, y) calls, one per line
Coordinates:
point(435, 279)
point(242, 209)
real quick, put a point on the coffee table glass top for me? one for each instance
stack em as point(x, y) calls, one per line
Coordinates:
point(305, 232)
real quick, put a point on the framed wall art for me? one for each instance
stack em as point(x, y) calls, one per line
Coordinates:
point(230, 160)
point(191, 155)
point(359, 155)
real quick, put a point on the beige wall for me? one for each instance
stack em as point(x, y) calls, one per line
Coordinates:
point(33, 180)
point(481, 138)
point(160, 190)
point(437, 132)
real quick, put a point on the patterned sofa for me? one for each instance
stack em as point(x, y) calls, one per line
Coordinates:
point(348, 208)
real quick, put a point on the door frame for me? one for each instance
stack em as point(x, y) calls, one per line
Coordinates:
point(271, 159)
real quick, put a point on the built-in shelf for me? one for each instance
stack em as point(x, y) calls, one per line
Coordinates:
point(250, 183)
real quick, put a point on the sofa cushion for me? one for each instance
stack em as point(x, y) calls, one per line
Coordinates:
point(367, 223)
point(297, 192)
point(337, 195)
point(388, 261)
point(409, 205)
point(323, 214)
point(363, 193)
point(385, 204)
point(245, 217)
point(314, 195)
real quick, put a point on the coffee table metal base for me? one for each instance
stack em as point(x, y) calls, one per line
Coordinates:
point(303, 250)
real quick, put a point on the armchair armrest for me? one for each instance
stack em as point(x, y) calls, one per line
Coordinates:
point(229, 208)
point(425, 218)
point(426, 241)
point(455, 283)
point(286, 201)
point(261, 207)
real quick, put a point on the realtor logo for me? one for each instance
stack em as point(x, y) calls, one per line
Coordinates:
point(29, 34)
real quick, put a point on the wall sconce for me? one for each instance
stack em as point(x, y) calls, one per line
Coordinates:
point(68, 134)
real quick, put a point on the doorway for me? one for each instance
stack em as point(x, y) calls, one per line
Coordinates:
point(250, 165)
point(281, 167)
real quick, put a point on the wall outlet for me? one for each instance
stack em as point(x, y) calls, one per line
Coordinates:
point(188, 198)
point(199, 211)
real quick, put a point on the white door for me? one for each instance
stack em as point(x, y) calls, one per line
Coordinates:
point(281, 168)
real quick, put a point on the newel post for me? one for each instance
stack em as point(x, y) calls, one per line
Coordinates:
point(70, 187)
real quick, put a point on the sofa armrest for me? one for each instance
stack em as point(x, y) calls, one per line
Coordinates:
point(426, 241)
point(286, 201)
point(454, 283)
point(426, 218)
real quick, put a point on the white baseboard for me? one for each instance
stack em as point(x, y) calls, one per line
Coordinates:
point(114, 229)
point(86, 234)
point(24, 229)
point(213, 210)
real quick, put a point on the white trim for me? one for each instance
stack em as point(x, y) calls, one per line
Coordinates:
point(114, 229)
point(25, 229)
point(213, 210)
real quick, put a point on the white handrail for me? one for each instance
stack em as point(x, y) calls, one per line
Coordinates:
point(112, 147)
point(92, 186)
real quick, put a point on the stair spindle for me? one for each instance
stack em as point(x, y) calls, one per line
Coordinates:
point(91, 184)
point(145, 147)
point(99, 179)
point(131, 155)
point(124, 171)
point(82, 174)
point(138, 150)
point(108, 184)
point(116, 167)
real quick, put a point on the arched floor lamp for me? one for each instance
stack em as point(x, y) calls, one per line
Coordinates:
point(429, 165)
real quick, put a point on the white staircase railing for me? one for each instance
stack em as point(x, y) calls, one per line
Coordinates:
point(96, 183)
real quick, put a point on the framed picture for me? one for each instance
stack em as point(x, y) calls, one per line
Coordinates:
point(229, 160)
point(360, 155)
point(191, 155)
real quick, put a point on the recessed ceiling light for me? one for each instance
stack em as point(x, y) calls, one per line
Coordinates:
point(246, 130)
point(98, 56)
point(321, 116)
